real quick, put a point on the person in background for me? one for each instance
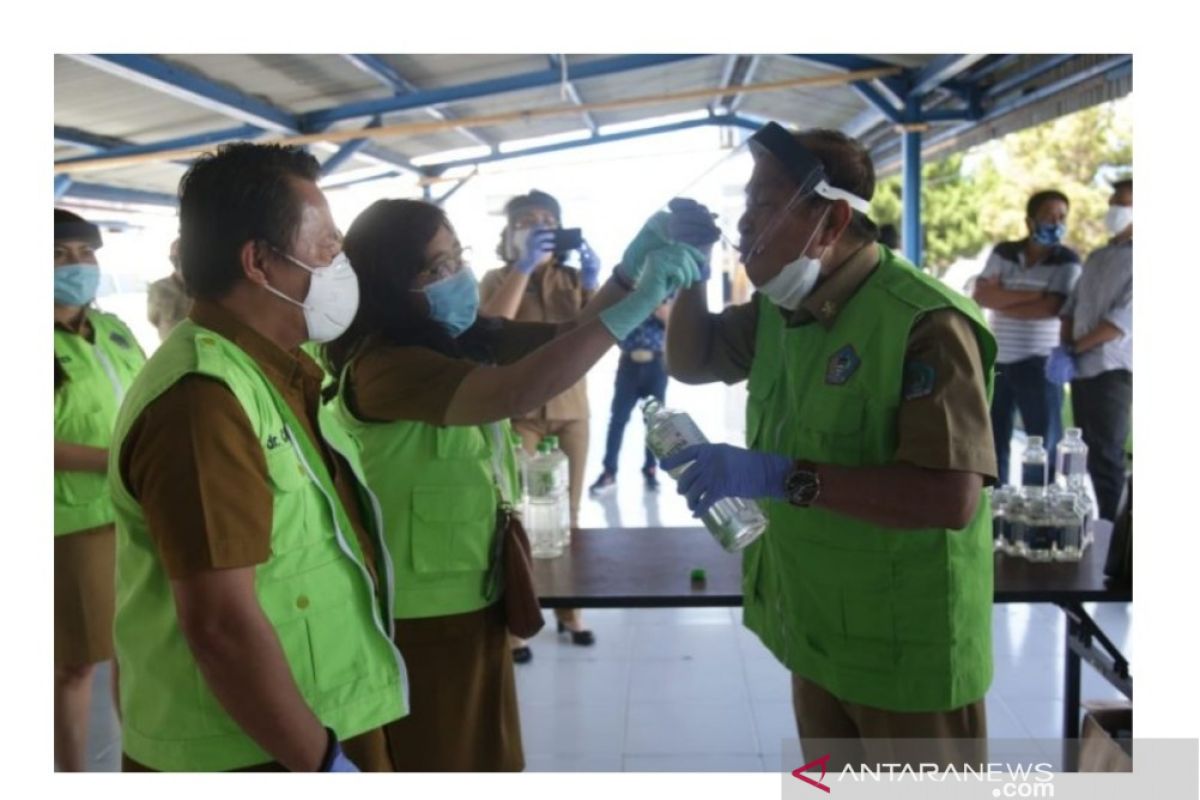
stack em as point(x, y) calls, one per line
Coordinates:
point(167, 302)
point(641, 372)
point(1025, 284)
point(95, 360)
point(535, 286)
point(426, 386)
point(1097, 349)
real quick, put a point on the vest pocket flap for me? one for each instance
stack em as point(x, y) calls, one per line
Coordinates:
point(837, 415)
point(286, 471)
point(452, 528)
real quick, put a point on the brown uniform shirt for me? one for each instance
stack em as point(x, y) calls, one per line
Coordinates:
point(198, 470)
point(390, 382)
point(948, 427)
point(554, 294)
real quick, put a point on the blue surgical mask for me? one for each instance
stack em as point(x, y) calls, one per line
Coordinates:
point(1049, 233)
point(75, 284)
point(454, 301)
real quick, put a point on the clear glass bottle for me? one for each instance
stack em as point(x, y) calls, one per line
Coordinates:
point(734, 522)
point(1015, 523)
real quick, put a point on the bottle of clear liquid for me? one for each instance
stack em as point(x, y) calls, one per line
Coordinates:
point(543, 504)
point(1033, 467)
point(734, 522)
point(1016, 527)
point(562, 485)
point(1041, 532)
point(1070, 461)
point(1069, 518)
point(1001, 498)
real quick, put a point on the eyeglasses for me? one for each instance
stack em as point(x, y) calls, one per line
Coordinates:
point(445, 265)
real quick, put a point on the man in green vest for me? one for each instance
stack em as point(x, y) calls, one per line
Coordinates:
point(253, 625)
point(869, 446)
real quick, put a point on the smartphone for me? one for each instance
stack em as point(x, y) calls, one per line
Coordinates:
point(567, 239)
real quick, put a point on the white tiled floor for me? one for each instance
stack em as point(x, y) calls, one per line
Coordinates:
point(691, 689)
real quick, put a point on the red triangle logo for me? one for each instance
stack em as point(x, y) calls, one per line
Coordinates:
point(823, 762)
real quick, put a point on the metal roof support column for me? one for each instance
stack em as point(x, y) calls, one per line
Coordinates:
point(911, 234)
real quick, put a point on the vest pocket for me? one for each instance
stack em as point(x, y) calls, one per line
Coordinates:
point(831, 427)
point(294, 518)
point(452, 528)
point(339, 653)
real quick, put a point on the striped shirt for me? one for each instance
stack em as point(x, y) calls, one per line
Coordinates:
point(1019, 339)
point(1104, 294)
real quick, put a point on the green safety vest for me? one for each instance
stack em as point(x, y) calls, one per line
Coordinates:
point(440, 497)
point(85, 409)
point(315, 589)
point(894, 619)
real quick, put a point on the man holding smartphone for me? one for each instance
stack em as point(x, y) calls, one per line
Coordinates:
point(535, 286)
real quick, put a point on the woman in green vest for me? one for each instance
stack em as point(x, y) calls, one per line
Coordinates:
point(425, 391)
point(95, 360)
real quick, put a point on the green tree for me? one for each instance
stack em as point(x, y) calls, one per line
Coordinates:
point(965, 209)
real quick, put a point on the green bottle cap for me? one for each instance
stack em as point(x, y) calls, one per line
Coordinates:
point(698, 576)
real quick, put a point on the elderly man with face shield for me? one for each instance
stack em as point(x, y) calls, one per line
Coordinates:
point(868, 445)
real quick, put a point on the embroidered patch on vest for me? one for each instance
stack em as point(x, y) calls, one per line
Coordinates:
point(919, 378)
point(119, 340)
point(842, 365)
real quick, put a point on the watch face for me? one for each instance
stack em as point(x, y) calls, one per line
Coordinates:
point(803, 486)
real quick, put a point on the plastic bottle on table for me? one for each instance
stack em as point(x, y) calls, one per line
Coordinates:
point(562, 483)
point(543, 504)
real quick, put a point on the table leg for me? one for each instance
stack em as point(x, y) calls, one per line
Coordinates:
point(1072, 691)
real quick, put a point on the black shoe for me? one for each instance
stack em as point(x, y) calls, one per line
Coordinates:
point(603, 485)
point(651, 477)
point(581, 638)
point(522, 655)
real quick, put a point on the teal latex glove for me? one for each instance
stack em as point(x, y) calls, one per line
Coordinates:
point(652, 236)
point(667, 269)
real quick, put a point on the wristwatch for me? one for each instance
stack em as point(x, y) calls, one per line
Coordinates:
point(803, 485)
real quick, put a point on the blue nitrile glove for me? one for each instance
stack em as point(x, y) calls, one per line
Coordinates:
point(340, 763)
point(589, 267)
point(722, 470)
point(692, 223)
point(537, 246)
point(652, 235)
point(667, 269)
point(1060, 366)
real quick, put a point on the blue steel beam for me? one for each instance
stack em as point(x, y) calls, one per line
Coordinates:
point(573, 94)
point(316, 120)
point(873, 96)
point(80, 138)
point(61, 184)
point(450, 193)
point(941, 69)
point(191, 87)
point(119, 194)
point(389, 76)
point(883, 156)
point(603, 138)
point(195, 140)
point(747, 77)
point(910, 195)
point(855, 63)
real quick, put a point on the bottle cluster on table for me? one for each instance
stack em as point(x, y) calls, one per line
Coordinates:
point(1043, 521)
point(545, 497)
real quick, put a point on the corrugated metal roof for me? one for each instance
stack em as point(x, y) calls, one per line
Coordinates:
point(90, 99)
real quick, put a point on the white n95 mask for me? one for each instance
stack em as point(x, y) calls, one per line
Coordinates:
point(332, 299)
